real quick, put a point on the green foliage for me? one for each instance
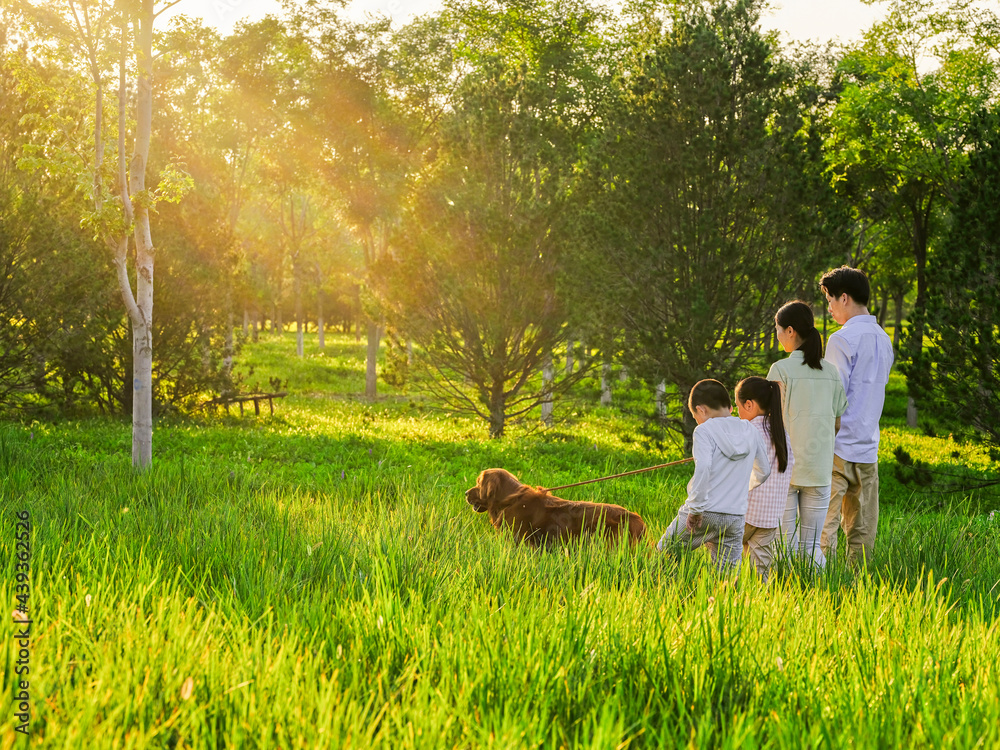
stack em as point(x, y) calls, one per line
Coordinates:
point(957, 378)
point(703, 202)
point(900, 133)
point(473, 279)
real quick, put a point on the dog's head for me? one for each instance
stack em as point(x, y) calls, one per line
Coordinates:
point(492, 485)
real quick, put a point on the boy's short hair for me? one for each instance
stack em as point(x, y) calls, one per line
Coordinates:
point(853, 281)
point(710, 393)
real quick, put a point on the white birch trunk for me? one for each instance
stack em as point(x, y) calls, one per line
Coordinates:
point(131, 184)
point(142, 311)
point(606, 385)
point(569, 357)
point(661, 399)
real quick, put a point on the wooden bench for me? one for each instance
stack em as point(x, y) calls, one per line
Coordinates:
point(243, 398)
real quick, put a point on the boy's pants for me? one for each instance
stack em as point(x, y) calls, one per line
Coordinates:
point(803, 522)
point(722, 533)
point(855, 497)
point(758, 545)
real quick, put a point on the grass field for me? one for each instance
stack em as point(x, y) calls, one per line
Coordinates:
point(315, 579)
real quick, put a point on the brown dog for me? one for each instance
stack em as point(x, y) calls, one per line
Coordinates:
point(538, 518)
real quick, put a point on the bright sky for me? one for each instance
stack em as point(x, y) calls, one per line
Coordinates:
point(798, 20)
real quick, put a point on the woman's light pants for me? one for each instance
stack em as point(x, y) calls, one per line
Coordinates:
point(802, 524)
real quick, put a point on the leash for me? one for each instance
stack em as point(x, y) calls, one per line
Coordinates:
point(615, 476)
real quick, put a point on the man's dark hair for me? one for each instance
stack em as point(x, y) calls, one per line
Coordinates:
point(710, 393)
point(853, 281)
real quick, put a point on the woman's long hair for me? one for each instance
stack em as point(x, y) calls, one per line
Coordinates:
point(767, 394)
point(799, 316)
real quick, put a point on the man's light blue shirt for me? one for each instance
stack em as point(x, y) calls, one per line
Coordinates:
point(862, 353)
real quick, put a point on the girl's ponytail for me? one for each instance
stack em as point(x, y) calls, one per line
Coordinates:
point(767, 395)
point(776, 424)
point(799, 316)
point(812, 349)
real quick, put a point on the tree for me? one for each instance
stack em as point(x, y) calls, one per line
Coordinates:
point(899, 132)
point(705, 196)
point(101, 33)
point(374, 108)
point(958, 379)
point(473, 273)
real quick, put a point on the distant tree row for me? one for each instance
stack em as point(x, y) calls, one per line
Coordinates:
point(523, 190)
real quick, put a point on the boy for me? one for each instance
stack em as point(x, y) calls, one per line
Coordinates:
point(727, 451)
point(862, 353)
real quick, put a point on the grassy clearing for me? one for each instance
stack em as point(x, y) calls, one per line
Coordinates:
point(316, 580)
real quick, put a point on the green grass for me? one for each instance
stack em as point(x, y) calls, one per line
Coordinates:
point(316, 580)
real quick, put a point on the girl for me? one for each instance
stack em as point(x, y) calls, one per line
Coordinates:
point(812, 401)
point(759, 401)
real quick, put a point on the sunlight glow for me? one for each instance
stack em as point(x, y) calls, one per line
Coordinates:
point(796, 20)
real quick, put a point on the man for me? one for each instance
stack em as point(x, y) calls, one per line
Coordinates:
point(862, 353)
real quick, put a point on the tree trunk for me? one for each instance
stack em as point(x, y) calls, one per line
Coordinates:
point(300, 348)
point(688, 424)
point(320, 323)
point(142, 322)
point(371, 364)
point(357, 314)
point(569, 357)
point(498, 412)
point(606, 385)
point(921, 237)
point(883, 309)
point(246, 322)
point(142, 389)
point(661, 399)
point(898, 304)
point(548, 375)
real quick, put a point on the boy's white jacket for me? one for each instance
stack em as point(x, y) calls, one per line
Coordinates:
point(730, 459)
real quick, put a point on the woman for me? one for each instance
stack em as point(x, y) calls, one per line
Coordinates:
point(812, 402)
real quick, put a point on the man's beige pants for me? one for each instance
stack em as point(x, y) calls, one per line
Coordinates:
point(854, 508)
